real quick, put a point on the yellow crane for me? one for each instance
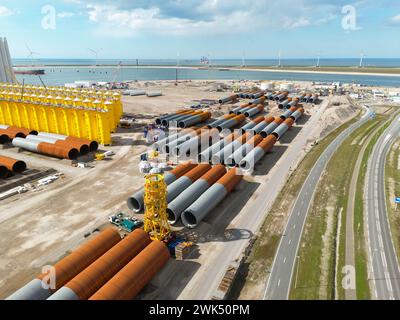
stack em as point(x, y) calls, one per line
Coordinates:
point(155, 200)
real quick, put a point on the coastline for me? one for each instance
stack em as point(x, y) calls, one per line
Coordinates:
point(303, 70)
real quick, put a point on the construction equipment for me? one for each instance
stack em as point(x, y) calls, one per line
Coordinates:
point(155, 201)
point(100, 156)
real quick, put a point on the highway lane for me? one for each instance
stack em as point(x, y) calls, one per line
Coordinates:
point(279, 282)
point(385, 274)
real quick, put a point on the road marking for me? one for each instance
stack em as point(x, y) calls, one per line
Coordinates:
point(279, 282)
point(290, 241)
point(383, 260)
point(284, 260)
point(294, 227)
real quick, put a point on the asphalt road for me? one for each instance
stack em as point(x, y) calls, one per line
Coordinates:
point(279, 282)
point(385, 274)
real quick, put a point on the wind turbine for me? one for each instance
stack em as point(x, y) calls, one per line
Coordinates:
point(243, 60)
point(31, 53)
point(362, 59)
point(280, 59)
point(318, 61)
point(96, 54)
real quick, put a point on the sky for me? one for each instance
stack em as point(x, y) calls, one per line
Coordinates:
point(154, 29)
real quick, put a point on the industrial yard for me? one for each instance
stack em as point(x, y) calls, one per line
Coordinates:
point(43, 225)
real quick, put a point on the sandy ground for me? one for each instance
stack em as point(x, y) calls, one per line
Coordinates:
point(39, 228)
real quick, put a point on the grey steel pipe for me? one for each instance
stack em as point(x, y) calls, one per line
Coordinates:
point(223, 155)
point(286, 114)
point(136, 201)
point(248, 163)
point(182, 183)
point(202, 141)
point(194, 120)
point(190, 195)
point(235, 158)
point(26, 144)
point(283, 128)
point(168, 148)
point(228, 99)
point(257, 101)
point(281, 96)
point(297, 114)
point(231, 122)
point(193, 215)
point(41, 139)
point(205, 156)
point(284, 104)
point(177, 118)
point(271, 127)
point(251, 124)
point(253, 111)
point(261, 126)
point(257, 95)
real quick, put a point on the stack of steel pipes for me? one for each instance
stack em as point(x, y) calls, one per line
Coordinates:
point(228, 124)
point(271, 127)
point(271, 136)
point(192, 147)
point(281, 96)
point(239, 110)
point(9, 165)
point(249, 161)
point(105, 267)
point(173, 121)
point(7, 133)
point(254, 110)
point(204, 204)
point(228, 99)
point(197, 117)
point(313, 99)
point(167, 117)
point(252, 124)
point(70, 266)
point(234, 159)
point(257, 101)
point(285, 103)
point(306, 97)
point(60, 146)
point(261, 126)
point(132, 278)
point(193, 192)
point(205, 156)
point(217, 122)
point(136, 201)
point(179, 139)
point(293, 103)
point(160, 145)
point(223, 155)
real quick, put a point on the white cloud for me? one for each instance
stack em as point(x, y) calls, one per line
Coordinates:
point(395, 20)
point(4, 12)
point(217, 17)
point(65, 14)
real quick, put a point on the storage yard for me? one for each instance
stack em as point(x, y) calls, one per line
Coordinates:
point(214, 178)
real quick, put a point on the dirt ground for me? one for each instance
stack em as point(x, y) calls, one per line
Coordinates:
point(38, 228)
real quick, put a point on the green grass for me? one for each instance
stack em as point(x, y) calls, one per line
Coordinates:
point(263, 251)
point(331, 194)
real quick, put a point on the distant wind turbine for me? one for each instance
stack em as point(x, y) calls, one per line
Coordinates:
point(362, 59)
point(96, 54)
point(243, 60)
point(318, 61)
point(280, 59)
point(31, 53)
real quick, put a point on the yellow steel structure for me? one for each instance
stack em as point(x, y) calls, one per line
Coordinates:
point(81, 113)
point(155, 200)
